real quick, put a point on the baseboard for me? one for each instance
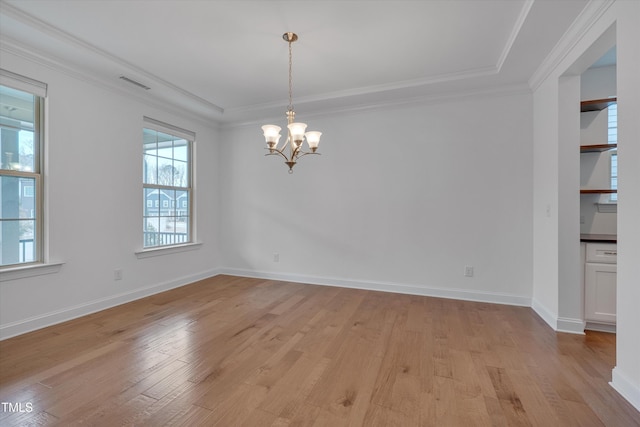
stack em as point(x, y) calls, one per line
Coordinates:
point(460, 294)
point(627, 389)
point(558, 324)
point(601, 327)
point(571, 326)
point(48, 319)
point(546, 315)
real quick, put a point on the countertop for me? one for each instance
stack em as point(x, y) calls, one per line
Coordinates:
point(599, 238)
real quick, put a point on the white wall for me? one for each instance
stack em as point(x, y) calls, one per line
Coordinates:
point(620, 19)
point(545, 201)
point(570, 287)
point(94, 208)
point(626, 375)
point(401, 199)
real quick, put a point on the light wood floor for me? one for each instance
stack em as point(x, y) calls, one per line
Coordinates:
point(233, 351)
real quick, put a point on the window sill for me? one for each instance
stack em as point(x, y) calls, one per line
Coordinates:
point(29, 271)
point(152, 252)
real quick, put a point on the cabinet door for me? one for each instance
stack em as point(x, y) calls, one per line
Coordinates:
point(600, 292)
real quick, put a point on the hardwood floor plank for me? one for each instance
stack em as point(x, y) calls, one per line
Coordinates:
point(238, 351)
point(286, 397)
point(509, 400)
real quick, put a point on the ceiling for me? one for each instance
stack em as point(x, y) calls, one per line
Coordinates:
point(226, 61)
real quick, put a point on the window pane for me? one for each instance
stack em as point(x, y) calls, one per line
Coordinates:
point(180, 150)
point(151, 234)
point(150, 169)
point(150, 141)
point(18, 213)
point(18, 197)
point(180, 174)
point(182, 203)
point(17, 140)
point(18, 238)
point(166, 172)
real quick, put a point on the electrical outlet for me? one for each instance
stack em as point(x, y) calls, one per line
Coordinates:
point(581, 219)
point(276, 257)
point(117, 274)
point(468, 271)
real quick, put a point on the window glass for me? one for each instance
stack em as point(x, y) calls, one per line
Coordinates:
point(167, 183)
point(612, 112)
point(20, 177)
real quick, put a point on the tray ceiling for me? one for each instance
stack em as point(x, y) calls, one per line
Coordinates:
point(226, 61)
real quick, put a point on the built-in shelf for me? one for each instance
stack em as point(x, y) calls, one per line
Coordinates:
point(596, 104)
point(599, 238)
point(597, 148)
point(597, 191)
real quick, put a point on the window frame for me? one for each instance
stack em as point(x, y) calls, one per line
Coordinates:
point(39, 92)
point(190, 138)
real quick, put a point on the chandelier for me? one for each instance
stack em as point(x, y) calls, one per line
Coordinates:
point(296, 131)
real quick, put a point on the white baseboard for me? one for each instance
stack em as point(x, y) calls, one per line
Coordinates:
point(546, 315)
point(571, 326)
point(601, 327)
point(627, 389)
point(48, 319)
point(558, 324)
point(460, 294)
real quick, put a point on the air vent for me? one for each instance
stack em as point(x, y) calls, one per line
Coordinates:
point(133, 82)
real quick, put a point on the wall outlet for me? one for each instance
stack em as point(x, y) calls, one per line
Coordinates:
point(581, 219)
point(117, 274)
point(468, 271)
point(276, 257)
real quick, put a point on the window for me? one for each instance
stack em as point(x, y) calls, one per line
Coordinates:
point(21, 216)
point(612, 112)
point(167, 152)
point(614, 175)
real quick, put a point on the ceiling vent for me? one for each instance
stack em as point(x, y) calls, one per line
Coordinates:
point(133, 82)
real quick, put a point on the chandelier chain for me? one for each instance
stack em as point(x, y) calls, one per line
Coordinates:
point(290, 79)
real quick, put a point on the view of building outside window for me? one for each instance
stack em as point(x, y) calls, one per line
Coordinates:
point(167, 189)
point(613, 139)
point(19, 177)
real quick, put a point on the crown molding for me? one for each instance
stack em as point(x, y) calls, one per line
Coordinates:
point(46, 60)
point(65, 37)
point(432, 99)
point(370, 90)
point(517, 27)
point(578, 29)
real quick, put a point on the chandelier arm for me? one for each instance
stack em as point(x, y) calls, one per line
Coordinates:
point(274, 152)
point(295, 154)
point(304, 153)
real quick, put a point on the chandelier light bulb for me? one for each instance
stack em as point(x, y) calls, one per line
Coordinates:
point(313, 139)
point(271, 133)
point(297, 131)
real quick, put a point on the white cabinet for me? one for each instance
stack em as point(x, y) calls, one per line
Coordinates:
point(600, 283)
